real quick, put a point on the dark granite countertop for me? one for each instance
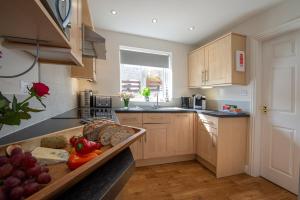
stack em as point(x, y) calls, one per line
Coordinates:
point(213, 113)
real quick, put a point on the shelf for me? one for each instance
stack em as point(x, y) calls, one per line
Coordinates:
point(47, 54)
point(31, 21)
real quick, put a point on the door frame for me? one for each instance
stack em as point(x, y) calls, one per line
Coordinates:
point(254, 49)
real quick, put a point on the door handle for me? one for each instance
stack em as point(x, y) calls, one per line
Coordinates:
point(265, 108)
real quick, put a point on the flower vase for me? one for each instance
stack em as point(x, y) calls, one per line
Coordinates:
point(1, 126)
point(147, 99)
point(126, 103)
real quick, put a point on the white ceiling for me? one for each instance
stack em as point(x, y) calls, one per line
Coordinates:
point(174, 16)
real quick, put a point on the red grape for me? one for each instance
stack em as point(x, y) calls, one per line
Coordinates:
point(29, 161)
point(6, 170)
point(16, 193)
point(16, 159)
point(3, 160)
point(33, 171)
point(31, 180)
point(12, 182)
point(43, 178)
point(19, 174)
point(31, 188)
point(3, 194)
point(16, 151)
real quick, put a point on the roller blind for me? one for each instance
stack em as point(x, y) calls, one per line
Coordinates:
point(144, 59)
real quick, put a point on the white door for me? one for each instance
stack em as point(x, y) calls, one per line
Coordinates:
point(281, 123)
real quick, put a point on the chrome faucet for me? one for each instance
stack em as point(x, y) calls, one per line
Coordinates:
point(156, 106)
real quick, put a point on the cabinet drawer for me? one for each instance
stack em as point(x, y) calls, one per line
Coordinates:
point(208, 121)
point(130, 118)
point(156, 118)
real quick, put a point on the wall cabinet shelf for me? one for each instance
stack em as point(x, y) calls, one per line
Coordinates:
point(24, 22)
point(214, 64)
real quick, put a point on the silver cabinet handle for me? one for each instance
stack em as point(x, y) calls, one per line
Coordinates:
point(206, 75)
point(203, 77)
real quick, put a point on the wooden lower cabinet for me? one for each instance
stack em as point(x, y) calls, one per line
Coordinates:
point(156, 140)
point(218, 143)
point(221, 144)
point(182, 137)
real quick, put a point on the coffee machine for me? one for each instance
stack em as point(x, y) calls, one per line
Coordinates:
point(199, 102)
point(187, 102)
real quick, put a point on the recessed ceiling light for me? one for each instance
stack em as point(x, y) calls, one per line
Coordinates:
point(113, 12)
point(192, 28)
point(154, 20)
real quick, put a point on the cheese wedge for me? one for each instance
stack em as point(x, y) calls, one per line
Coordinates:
point(50, 156)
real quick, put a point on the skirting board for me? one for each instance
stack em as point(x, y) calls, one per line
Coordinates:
point(164, 160)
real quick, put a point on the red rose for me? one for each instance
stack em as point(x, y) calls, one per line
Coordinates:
point(40, 89)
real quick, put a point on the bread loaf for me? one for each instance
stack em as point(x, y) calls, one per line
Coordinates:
point(107, 132)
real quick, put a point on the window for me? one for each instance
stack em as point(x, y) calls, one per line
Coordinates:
point(142, 68)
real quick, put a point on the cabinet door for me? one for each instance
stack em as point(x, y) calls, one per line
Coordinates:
point(183, 133)
point(155, 140)
point(86, 72)
point(133, 119)
point(218, 62)
point(196, 68)
point(207, 143)
point(76, 31)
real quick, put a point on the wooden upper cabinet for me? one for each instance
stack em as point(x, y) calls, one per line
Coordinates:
point(196, 68)
point(76, 29)
point(88, 71)
point(219, 60)
point(24, 22)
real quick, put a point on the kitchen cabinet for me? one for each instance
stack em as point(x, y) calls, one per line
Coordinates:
point(196, 68)
point(33, 22)
point(219, 60)
point(182, 136)
point(135, 120)
point(156, 140)
point(88, 71)
point(76, 29)
point(221, 144)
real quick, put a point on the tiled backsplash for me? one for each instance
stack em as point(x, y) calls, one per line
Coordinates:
point(218, 104)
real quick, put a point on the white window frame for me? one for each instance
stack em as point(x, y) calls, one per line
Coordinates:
point(169, 54)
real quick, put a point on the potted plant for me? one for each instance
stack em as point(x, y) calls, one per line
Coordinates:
point(125, 96)
point(11, 113)
point(146, 92)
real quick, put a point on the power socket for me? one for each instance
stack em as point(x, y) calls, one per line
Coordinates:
point(23, 87)
point(244, 92)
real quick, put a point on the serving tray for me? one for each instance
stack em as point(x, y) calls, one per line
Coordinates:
point(62, 177)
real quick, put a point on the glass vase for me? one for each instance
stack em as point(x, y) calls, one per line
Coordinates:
point(126, 103)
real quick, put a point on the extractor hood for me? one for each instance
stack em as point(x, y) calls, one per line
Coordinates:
point(93, 44)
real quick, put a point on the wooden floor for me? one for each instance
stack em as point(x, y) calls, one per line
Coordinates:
point(190, 181)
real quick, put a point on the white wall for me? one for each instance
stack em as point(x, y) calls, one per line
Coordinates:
point(62, 88)
point(268, 20)
point(108, 71)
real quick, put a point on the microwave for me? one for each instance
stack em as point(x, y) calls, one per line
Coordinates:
point(61, 11)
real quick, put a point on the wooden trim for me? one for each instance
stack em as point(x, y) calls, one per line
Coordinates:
point(164, 160)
